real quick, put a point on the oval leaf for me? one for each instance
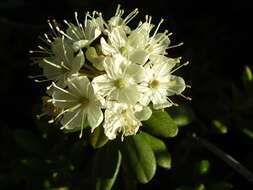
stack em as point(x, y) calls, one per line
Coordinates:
point(97, 138)
point(139, 157)
point(106, 166)
point(163, 157)
point(182, 115)
point(247, 78)
point(161, 124)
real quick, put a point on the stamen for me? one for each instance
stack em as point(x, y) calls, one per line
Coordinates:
point(131, 16)
point(41, 115)
point(64, 34)
point(56, 26)
point(82, 124)
point(80, 25)
point(117, 10)
point(64, 51)
point(51, 121)
point(64, 66)
point(52, 64)
point(73, 84)
point(52, 28)
point(40, 81)
point(184, 64)
point(61, 89)
point(57, 100)
point(85, 20)
point(180, 44)
point(66, 124)
point(157, 28)
point(47, 38)
point(35, 76)
point(68, 110)
point(186, 97)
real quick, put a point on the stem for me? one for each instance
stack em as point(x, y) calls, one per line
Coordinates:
point(237, 166)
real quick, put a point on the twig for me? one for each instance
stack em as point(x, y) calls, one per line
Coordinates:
point(237, 166)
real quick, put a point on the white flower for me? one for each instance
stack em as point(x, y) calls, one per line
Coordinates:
point(160, 83)
point(124, 118)
point(131, 47)
point(63, 63)
point(121, 81)
point(156, 43)
point(96, 60)
point(83, 35)
point(118, 22)
point(79, 104)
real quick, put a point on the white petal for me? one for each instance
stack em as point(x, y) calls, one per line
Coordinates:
point(145, 98)
point(161, 70)
point(144, 114)
point(103, 85)
point(118, 38)
point(136, 72)
point(112, 67)
point(139, 56)
point(94, 116)
point(72, 120)
point(156, 59)
point(106, 48)
point(129, 95)
point(77, 62)
point(79, 86)
point(80, 44)
point(177, 86)
point(138, 40)
point(63, 100)
point(111, 124)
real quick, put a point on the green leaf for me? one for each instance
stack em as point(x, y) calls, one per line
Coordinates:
point(30, 142)
point(107, 162)
point(247, 76)
point(247, 132)
point(139, 157)
point(163, 157)
point(161, 124)
point(98, 139)
point(202, 167)
point(182, 115)
point(220, 126)
point(200, 187)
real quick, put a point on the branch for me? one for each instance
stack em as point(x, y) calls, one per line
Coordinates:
point(237, 166)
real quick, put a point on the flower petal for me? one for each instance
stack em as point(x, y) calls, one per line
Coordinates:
point(136, 72)
point(72, 120)
point(103, 85)
point(177, 85)
point(94, 116)
point(144, 114)
point(106, 48)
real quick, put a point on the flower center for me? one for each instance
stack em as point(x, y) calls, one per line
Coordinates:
point(120, 83)
point(84, 101)
point(154, 84)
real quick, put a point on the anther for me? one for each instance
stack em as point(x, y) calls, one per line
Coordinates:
point(186, 97)
point(50, 121)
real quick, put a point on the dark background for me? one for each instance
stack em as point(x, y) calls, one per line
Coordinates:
point(216, 42)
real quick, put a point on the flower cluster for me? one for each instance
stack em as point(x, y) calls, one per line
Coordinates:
point(104, 73)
